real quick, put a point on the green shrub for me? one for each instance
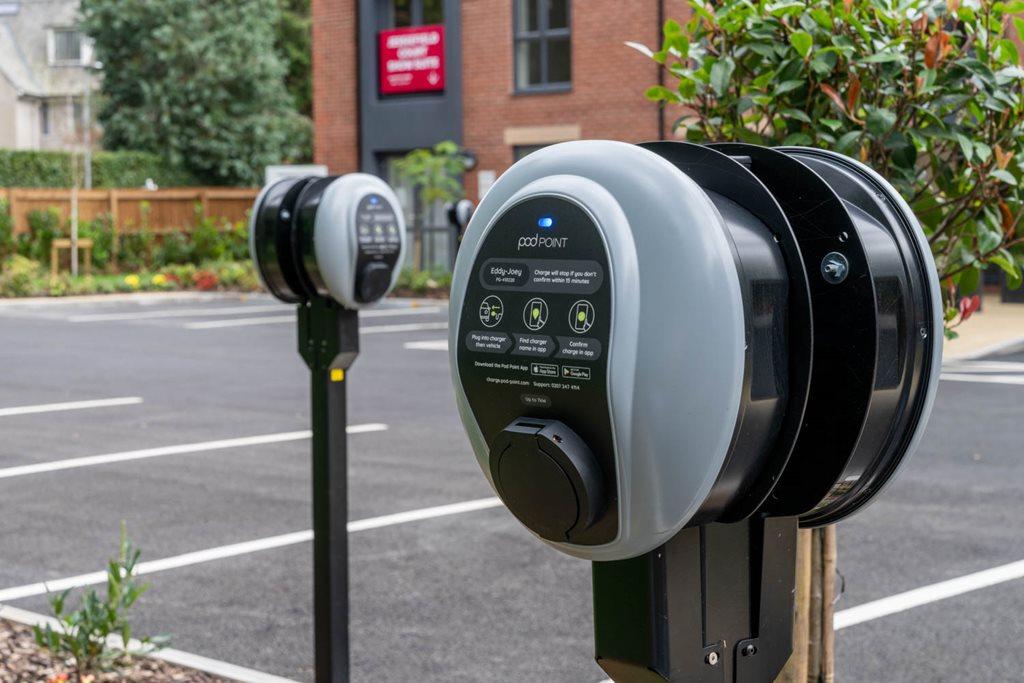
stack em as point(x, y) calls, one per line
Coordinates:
point(19, 276)
point(8, 245)
point(101, 232)
point(422, 281)
point(29, 168)
point(43, 227)
point(207, 242)
point(236, 242)
point(175, 247)
point(136, 250)
point(930, 93)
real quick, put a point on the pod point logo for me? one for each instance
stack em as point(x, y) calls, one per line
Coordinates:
point(544, 241)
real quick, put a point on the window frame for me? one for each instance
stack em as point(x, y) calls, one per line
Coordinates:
point(543, 36)
point(51, 44)
point(416, 14)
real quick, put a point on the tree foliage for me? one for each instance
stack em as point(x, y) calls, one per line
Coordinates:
point(928, 92)
point(434, 175)
point(295, 46)
point(199, 83)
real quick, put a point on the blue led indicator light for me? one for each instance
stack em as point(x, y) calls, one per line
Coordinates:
point(375, 200)
point(545, 222)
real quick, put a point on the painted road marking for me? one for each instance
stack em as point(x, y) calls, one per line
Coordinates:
point(984, 379)
point(984, 366)
point(212, 666)
point(411, 327)
point(433, 345)
point(928, 594)
point(280, 319)
point(247, 547)
point(70, 405)
point(173, 313)
point(241, 322)
point(201, 447)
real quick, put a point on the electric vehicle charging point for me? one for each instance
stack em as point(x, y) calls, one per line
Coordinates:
point(668, 356)
point(332, 246)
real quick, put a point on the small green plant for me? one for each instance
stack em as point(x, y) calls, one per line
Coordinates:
point(434, 174)
point(930, 93)
point(89, 635)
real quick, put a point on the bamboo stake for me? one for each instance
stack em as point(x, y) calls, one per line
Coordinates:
point(814, 649)
point(828, 576)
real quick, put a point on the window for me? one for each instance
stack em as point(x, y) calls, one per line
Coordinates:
point(543, 45)
point(44, 118)
point(416, 12)
point(521, 151)
point(65, 46)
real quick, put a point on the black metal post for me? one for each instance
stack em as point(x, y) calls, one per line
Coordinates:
point(714, 604)
point(329, 343)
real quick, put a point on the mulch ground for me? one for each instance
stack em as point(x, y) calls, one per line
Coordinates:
point(21, 661)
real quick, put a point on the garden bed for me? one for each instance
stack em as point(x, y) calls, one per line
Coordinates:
point(21, 661)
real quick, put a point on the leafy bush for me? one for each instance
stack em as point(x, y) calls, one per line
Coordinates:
point(85, 633)
point(28, 168)
point(101, 232)
point(422, 281)
point(136, 250)
point(928, 92)
point(236, 242)
point(7, 242)
point(174, 247)
point(44, 226)
point(19, 275)
point(207, 243)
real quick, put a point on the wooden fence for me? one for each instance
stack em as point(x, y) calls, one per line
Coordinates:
point(134, 210)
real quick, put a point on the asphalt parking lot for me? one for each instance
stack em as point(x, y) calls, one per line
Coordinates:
point(202, 445)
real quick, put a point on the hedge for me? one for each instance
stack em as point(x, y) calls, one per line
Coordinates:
point(20, 168)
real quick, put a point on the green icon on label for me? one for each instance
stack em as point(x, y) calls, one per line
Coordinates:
point(581, 316)
point(535, 314)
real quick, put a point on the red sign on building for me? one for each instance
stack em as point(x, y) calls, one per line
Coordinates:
point(412, 59)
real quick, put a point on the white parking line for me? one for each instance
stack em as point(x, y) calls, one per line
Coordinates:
point(173, 313)
point(983, 366)
point(433, 345)
point(201, 447)
point(70, 405)
point(280, 319)
point(241, 322)
point(928, 594)
point(236, 549)
point(187, 659)
point(983, 379)
point(410, 327)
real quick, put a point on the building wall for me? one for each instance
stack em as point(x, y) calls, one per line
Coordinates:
point(8, 100)
point(335, 85)
point(26, 124)
point(608, 81)
point(606, 100)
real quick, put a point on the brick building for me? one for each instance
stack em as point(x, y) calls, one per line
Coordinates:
point(517, 75)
